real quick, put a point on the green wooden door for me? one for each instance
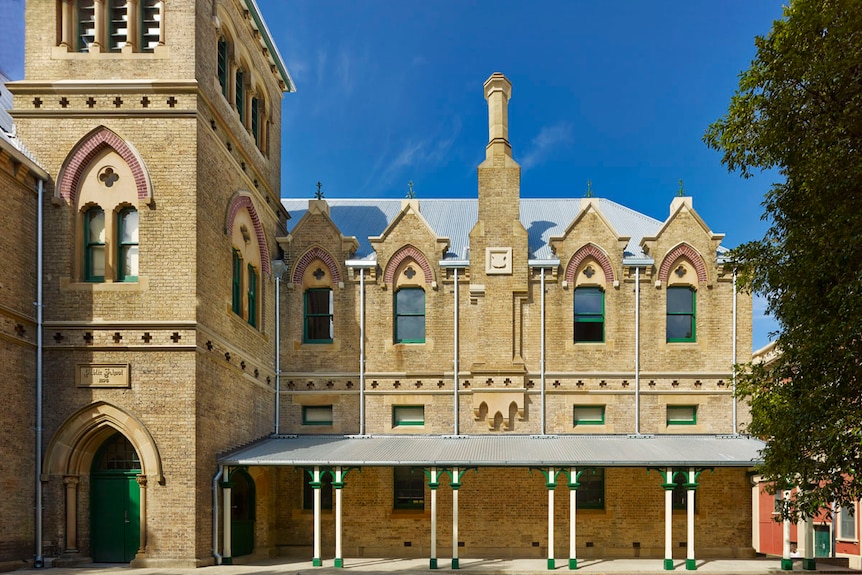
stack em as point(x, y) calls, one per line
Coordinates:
point(822, 542)
point(115, 522)
point(242, 513)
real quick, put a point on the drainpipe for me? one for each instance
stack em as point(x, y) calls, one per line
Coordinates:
point(39, 560)
point(733, 354)
point(216, 479)
point(637, 351)
point(542, 366)
point(278, 268)
point(362, 265)
point(455, 351)
point(455, 265)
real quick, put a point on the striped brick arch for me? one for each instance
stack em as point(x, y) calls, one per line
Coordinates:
point(316, 254)
point(403, 254)
point(89, 148)
point(683, 251)
point(585, 252)
point(240, 201)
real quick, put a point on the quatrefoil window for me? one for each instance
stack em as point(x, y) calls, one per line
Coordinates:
point(246, 235)
point(108, 177)
point(318, 274)
point(410, 272)
point(680, 271)
point(589, 272)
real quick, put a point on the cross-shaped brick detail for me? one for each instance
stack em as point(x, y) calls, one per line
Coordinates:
point(229, 146)
point(118, 337)
point(145, 102)
point(64, 101)
point(227, 355)
point(256, 372)
point(118, 102)
point(209, 346)
point(91, 102)
point(19, 329)
point(212, 124)
point(318, 274)
point(108, 177)
point(242, 364)
point(556, 383)
point(310, 385)
point(88, 337)
point(176, 337)
point(242, 165)
point(256, 185)
point(349, 385)
point(489, 381)
point(146, 337)
point(171, 101)
point(58, 337)
point(440, 383)
point(37, 102)
point(267, 380)
point(507, 381)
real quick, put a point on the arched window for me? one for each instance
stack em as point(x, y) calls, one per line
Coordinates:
point(247, 263)
point(113, 25)
point(589, 315)
point(94, 244)
point(410, 315)
point(223, 65)
point(127, 234)
point(236, 305)
point(239, 95)
point(85, 28)
point(681, 307)
point(151, 19)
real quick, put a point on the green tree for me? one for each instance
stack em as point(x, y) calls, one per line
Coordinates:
point(798, 109)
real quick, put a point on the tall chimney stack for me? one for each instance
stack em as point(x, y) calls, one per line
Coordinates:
point(498, 90)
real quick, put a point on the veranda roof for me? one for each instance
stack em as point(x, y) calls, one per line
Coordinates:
point(501, 451)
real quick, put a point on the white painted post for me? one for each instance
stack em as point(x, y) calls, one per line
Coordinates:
point(337, 485)
point(690, 563)
point(573, 510)
point(455, 485)
point(226, 552)
point(315, 486)
point(551, 485)
point(668, 522)
point(786, 561)
point(433, 486)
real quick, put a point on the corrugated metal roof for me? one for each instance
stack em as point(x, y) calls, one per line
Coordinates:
point(454, 218)
point(502, 451)
point(7, 128)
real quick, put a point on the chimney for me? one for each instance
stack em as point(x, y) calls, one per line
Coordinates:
point(498, 90)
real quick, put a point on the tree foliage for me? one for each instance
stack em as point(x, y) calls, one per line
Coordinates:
point(798, 109)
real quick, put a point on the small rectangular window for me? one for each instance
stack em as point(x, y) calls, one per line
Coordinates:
point(847, 523)
point(252, 296)
point(255, 118)
point(591, 492)
point(410, 315)
point(589, 315)
point(318, 316)
point(239, 102)
point(681, 305)
point(317, 415)
point(128, 256)
point(222, 65)
point(409, 488)
point(236, 303)
point(681, 414)
point(589, 415)
point(403, 415)
point(94, 248)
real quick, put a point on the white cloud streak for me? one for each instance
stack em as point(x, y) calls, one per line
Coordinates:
point(543, 145)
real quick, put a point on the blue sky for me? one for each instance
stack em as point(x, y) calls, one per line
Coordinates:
point(617, 92)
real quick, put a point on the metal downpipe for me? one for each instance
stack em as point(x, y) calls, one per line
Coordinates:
point(542, 343)
point(361, 351)
point(733, 356)
point(277, 351)
point(216, 479)
point(455, 362)
point(637, 351)
point(39, 561)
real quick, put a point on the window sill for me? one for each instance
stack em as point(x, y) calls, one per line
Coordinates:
point(69, 285)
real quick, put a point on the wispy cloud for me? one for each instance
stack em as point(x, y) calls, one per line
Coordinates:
point(344, 70)
point(544, 143)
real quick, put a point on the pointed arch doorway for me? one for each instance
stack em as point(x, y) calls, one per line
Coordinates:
point(115, 501)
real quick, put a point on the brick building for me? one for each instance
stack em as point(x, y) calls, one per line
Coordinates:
point(338, 378)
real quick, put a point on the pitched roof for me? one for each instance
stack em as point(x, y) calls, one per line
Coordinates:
point(8, 137)
point(454, 218)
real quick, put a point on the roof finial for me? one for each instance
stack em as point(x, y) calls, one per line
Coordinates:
point(589, 193)
point(410, 193)
point(681, 191)
point(318, 195)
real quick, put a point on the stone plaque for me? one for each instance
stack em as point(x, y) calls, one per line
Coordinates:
point(498, 261)
point(103, 375)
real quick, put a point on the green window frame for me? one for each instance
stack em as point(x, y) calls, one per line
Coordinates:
point(118, 25)
point(317, 414)
point(681, 314)
point(681, 415)
point(408, 488)
point(591, 491)
point(222, 64)
point(236, 303)
point(589, 315)
point(325, 490)
point(252, 296)
point(409, 315)
point(150, 24)
point(255, 119)
point(408, 415)
point(94, 245)
point(588, 415)
point(318, 316)
point(127, 245)
point(85, 24)
point(240, 95)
